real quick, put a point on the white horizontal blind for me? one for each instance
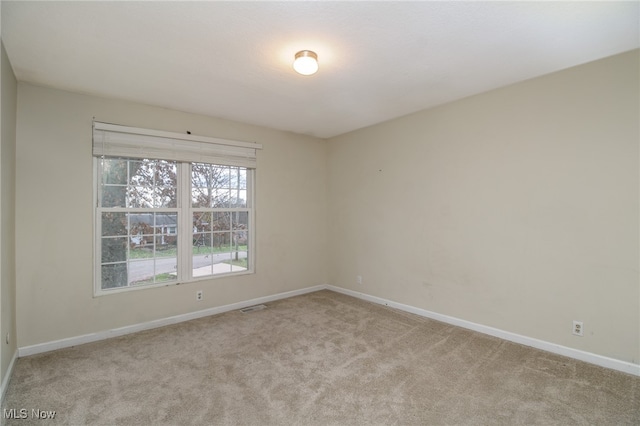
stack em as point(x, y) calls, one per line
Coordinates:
point(121, 141)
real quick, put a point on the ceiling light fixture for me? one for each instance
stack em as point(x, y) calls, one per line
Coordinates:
point(306, 62)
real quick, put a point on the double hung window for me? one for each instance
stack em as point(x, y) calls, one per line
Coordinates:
point(170, 208)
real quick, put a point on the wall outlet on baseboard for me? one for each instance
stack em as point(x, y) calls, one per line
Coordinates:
point(359, 279)
point(578, 328)
point(199, 295)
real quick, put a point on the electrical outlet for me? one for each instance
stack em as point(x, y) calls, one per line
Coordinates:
point(359, 279)
point(199, 295)
point(578, 328)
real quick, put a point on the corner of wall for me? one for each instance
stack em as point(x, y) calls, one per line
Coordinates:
point(8, 108)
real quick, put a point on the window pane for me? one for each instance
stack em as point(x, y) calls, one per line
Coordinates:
point(141, 224)
point(239, 253)
point(166, 197)
point(220, 176)
point(166, 183)
point(224, 267)
point(114, 224)
point(202, 255)
point(220, 241)
point(164, 221)
point(114, 276)
point(166, 246)
point(148, 243)
point(114, 171)
point(166, 173)
point(142, 251)
point(201, 243)
point(114, 249)
point(135, 169)
point(142, 172)
point(211, 183)
point(200, 198)
point(238, 199)
point(140, 196)
point(200, 175)
point(202, 185)
point(221, 221)
point(240, 220)
point(152, 184)
point(201, 221)
point(240, 240)
point(233, 177)
point(243, 179)
point(113, 196)
point(220, 198)
point(166, 269)
point(141, 271)
point(165, 276)
point(152, 271)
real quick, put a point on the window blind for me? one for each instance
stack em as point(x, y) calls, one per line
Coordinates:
point(121, 141)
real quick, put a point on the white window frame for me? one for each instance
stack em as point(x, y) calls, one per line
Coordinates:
point(184, 208)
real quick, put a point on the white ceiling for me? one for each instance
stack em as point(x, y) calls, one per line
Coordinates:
point(378, 60)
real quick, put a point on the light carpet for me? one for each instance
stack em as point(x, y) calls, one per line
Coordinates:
point(318, 359)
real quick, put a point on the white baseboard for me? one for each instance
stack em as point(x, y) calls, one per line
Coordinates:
point(102, 335)
point(591, 358)
point(7, 377)
point(612, 363)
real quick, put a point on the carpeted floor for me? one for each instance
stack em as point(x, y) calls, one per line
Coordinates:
point(319, 359)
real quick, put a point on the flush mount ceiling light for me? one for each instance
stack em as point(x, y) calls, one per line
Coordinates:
point(306, 62)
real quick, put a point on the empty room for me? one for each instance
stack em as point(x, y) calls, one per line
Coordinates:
point(320, 213)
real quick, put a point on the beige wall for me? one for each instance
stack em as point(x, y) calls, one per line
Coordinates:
point(54, 222)
point(515, 209)
point(8, 94)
